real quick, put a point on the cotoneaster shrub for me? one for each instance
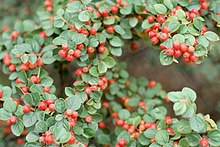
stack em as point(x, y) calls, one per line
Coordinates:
point(105, 106)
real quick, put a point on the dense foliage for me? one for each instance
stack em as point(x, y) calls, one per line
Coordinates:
point(104, 105)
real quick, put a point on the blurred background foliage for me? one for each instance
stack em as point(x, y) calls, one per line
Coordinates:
point(204, 78)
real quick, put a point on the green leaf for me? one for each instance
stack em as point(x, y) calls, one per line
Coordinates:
point(84, 15)
point(180, 14)
point(9, 105)
point(143, 140)
point(124, 114)
point(110, 62)
point(32, 137)
point(189, 94)
point(198, 23)
point(78, 38)
point(150, 133)
point(5, 115)
point(89, 132)
point(160, 8)
point(41, 127)
point(73, 7)
point(58, 23)
point(29, 119)
point(60, 105)
point(194, 139)
point(73, 103)
point(102, 67)
point(180, 108)
point(164, 59)
point(103, 139)
point(119, 29)
point(133, 21)
point(214, 137)
point(169, 4)
point(59, 41)
point(126, 10)
point(211, 36)
point(17, 128)
point(173, 26)
point(197, 123)
point(200, 50)
point(125, 135)
point(146, 25)
point(46, 81)
point(65, 137)
point(116, 42)
point(183, 127)
point(162, 137)
point(94, 71)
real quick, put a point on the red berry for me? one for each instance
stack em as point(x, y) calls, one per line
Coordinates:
point(75, 114)
point(94, 87)
point(101, 125)
point(152, 84)
point(69, 112)
point(191, 49)
point(80, 46)
point(24, 89)
point(155, 40)
point(105, 13)
point(192, 15)
point(34, 79)
point(114, 9)
point(49, 101)
point(119, 122)
point(90, 50)
point(183, 47)
point(175, 143)
point(193, 58)
point(20, 141)
point(13, 119)
point(1, 94)
point(156, 26)
point(72, 122)
point(70, 57)
point(176, 45)
point(154, 126)
point(49, 139)
point(162, 46)
point(85, 69)
point(204, 5)
point(46, 89)
point(101, 49)
point(170, 130)
point(43, 34)
point(204, 142)
point(12, 68)
point(65, 47)
point(93, 31)
point(150, 19)
point(52, 107)
point(186, 60)
point(26, 109)
point(110, 29)
point(134, 46)
point(42, 105)
point(79, 72)
point(88, 119)
point(122, 142)
point(88, 90)
point(186, 55)
point(152, 34)
point(168, 120)
point(164, 36)
point(8, 122)
point(77, 53)
point(152, 140)
point(71, 140)
point(24, 67)
point(165, 29)
point(177, 53)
